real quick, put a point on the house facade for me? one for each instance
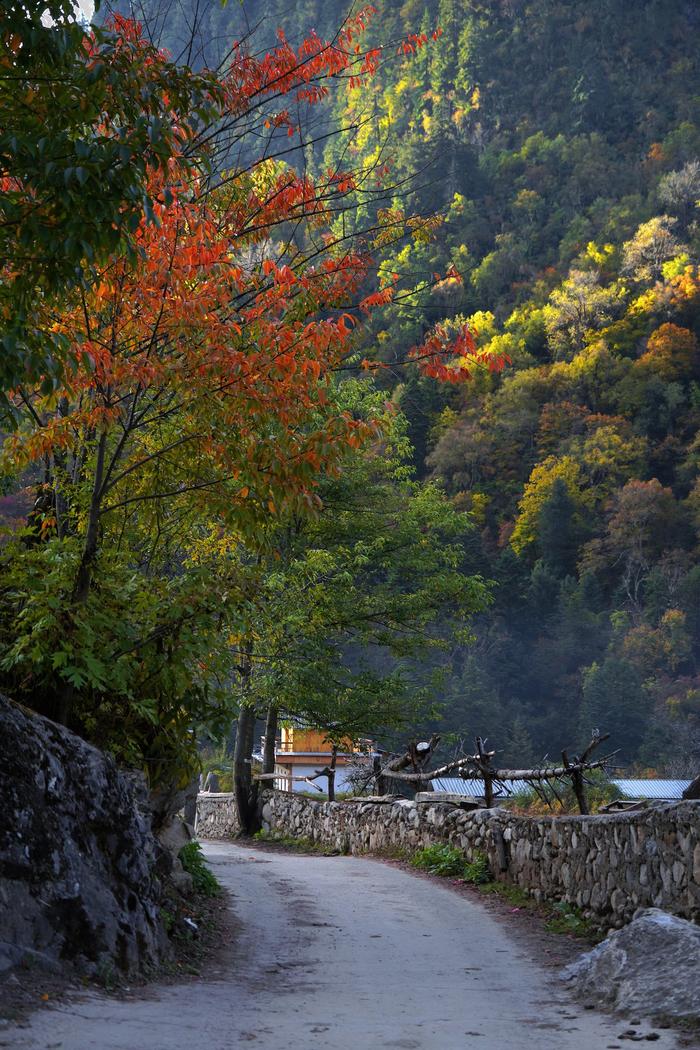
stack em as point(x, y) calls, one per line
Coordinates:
point(302, 751)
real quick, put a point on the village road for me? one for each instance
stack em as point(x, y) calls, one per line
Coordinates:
point(341, 953)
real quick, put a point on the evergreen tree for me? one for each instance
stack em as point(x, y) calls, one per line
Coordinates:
point(615, 702)
point(543, 591)
point(559, 534)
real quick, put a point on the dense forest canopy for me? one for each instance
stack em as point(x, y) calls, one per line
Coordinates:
point(559, 143)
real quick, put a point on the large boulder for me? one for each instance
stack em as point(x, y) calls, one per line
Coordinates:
point(649, 967)
point(77, 854)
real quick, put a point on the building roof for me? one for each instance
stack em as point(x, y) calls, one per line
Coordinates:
point(663, 789)
point(653, 789)
point(458, 786)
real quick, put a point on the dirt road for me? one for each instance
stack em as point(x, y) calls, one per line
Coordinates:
point(341, 953)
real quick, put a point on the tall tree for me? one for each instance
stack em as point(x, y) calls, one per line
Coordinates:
point(197, 410)
point(351, 602)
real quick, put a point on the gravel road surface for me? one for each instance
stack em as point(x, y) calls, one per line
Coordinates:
point(342, 953)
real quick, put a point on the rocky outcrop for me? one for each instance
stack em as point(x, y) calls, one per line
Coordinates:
point(651, 967)
point(77, 855)
point(609, 866)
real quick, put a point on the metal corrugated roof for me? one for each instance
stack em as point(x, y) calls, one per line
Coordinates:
point(652, 788)
point(658, 789)
point(476, 787)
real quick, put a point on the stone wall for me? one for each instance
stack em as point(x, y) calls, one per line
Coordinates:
point(77, 855)
point(609, 866)
point(216, 816)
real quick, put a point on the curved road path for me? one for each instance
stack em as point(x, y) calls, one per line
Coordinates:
point(341, 953)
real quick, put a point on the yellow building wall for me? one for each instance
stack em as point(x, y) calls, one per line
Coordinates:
point(295, 739)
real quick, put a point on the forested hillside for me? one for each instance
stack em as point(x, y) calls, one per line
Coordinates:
point(560, 143)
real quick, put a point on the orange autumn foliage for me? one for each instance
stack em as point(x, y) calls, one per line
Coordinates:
point(204, 366)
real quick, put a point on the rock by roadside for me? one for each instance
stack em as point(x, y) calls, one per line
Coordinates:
point(651, 967)
point(27, 988)
point(78, 859)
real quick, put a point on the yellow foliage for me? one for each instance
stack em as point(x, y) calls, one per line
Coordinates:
point(644, 304)
point(610, 457)
point(538, 490)
point(482, 325)
point(527, 201)
point(599, 254)
point(676, 267)
point(457, 206)
point(479, 506)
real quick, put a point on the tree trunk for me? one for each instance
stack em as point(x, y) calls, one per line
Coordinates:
point(488, 791)
point(270, 735)
point(245, 791)
point(190, 807)
point(331, 774)
point(693, 789)
point(83, 580)
point(243, 788)
point(379, 778)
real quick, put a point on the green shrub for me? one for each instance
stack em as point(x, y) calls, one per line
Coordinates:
point(168, 919)
point(478, 871)
point(192, 860)
point(449, 861)
point(440, 860)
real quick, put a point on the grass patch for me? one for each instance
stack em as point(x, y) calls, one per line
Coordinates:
point(566, 918)
point(559, 916)
point(509, 893)
point(192, 859)
point(297, 845)
point(168, 919)
point(450, 862)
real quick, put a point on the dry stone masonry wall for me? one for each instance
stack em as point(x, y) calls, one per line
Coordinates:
point(216, 816)
point(609, 866)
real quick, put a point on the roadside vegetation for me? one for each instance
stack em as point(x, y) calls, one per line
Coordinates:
point(600, 791)
point(448, 861)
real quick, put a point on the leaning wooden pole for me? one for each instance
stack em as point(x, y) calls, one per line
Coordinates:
point(578, 784)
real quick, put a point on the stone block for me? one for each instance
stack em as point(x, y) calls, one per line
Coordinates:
point(650, 967)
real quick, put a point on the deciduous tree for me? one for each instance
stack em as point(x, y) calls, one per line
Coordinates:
point(199, 407)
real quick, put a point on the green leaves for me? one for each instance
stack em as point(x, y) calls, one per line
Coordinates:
point(113, 105)
point(133, 655)
point(353, 600)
